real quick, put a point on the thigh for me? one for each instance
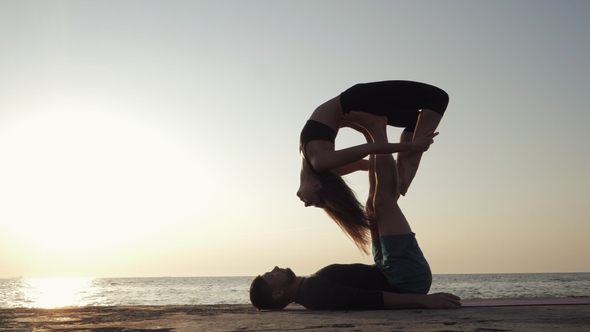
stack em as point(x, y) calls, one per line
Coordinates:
point(379, 97)
point(399, 101)
point(403, 118)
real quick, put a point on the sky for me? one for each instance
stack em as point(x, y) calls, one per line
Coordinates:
point(160, 138)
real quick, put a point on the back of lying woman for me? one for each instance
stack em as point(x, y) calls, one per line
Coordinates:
point(414, 106)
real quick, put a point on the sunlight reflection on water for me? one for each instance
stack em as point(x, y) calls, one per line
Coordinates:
point(70, 292)
point(55, 292)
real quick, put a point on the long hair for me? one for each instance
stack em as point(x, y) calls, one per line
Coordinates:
point(341, 204)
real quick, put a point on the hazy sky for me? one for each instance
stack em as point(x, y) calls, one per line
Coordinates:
point(160, 138)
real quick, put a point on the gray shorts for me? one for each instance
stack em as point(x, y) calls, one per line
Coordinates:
point(399, 257)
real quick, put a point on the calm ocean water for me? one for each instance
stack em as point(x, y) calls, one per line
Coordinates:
point(62, 292)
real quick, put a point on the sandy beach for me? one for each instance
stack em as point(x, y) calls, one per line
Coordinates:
point(245, 318)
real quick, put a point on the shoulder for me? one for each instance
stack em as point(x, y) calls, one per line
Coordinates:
point(314, 292)
point(314, 286)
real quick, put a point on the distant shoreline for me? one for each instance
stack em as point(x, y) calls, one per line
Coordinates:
point(305, 275)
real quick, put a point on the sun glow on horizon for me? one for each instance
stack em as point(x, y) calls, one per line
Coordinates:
point(51, 293)
point(79, 180)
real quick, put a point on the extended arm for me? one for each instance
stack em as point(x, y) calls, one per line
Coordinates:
point(360, 165)
point(324, 160)
point(323, 294)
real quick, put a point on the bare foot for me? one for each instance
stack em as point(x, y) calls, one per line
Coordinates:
point(365, 120)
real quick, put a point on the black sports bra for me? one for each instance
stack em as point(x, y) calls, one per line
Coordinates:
point(314, 131)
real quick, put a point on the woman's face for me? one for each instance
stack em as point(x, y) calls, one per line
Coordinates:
point(307, 193)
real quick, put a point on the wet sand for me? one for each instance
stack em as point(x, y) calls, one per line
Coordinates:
point(246, 318)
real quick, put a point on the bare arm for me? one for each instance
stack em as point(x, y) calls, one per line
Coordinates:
point(411, 301)
point(324, 159)
point(360, 165)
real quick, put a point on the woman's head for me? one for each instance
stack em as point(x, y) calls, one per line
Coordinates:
point(308, 190)
point(341, 204)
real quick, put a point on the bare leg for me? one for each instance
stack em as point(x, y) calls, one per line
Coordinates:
point(366, 123)
point(401, 157)
point(389, 216)
point(370, 206)
point(408, 163)
point(386, 216)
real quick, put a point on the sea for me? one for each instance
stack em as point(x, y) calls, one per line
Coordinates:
point(74, 292)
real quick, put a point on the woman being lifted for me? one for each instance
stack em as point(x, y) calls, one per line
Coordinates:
point(414, 106)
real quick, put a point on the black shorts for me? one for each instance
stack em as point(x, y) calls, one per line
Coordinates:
point(399, 101)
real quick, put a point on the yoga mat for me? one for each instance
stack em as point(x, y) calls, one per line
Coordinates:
point(525, 302)
point(497, 303)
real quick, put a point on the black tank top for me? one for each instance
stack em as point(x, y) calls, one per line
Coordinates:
point(314, 131)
